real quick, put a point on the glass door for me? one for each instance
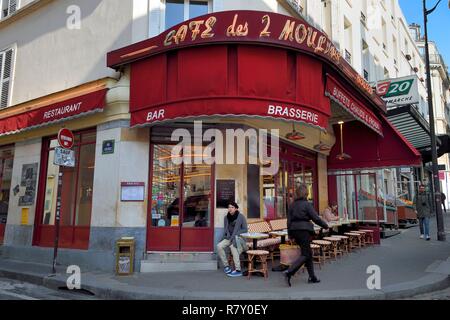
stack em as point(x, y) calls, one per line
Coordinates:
point(181, 198)
point(76, 195)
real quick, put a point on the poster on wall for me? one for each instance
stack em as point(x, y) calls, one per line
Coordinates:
point(28, 180)
point(225, 193)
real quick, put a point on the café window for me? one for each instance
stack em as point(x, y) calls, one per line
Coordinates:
point(177, 11)
point(77, 184)
point(186, 183)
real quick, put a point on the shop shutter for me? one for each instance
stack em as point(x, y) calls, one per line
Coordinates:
point(5, 76)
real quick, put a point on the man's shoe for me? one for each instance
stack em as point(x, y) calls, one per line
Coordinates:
point(235, 273)
point(227, 270)
point(287, 278)
point(313, 280)
point(428, 238)
point(421, 236)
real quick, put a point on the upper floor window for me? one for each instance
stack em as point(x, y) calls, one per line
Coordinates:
point(177, 11)
point(6, 65)
point(8, 7)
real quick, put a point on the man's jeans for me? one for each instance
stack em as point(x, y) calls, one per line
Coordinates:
point(424, 224)
point(221, 246)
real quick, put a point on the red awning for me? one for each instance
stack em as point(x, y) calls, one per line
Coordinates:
point(54, 113)
point(231, 81)
point(368, 150)
point(351, 104)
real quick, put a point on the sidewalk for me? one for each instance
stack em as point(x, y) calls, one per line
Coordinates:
point(409, 266)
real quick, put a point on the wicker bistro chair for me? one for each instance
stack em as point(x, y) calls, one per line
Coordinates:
point(344, 244)
point(270, 244)
point(369, 236)
point(278, 225)
point(355, 240)
point(317, 257)
point(257, 256)
point(335, 246)
point(363, 237)
point(325, 248)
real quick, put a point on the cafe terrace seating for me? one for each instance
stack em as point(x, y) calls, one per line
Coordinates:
point(270, 244)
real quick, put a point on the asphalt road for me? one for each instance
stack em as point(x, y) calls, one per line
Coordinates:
point(17, 290)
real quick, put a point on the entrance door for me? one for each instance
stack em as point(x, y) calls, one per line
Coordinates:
point(76, 195)
point(296, 166)
point(181, 199)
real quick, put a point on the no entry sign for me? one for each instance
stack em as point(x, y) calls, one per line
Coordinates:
point(66, 138)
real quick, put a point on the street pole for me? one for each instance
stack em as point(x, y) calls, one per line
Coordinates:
point(436, 182)
point(57, 222)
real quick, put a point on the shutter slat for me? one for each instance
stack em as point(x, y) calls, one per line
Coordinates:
point(5, 95)
point(8, 64)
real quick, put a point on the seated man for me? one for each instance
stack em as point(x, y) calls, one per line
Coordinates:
point(235, 224)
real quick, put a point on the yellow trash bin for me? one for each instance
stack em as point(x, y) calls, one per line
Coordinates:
point(125, 255)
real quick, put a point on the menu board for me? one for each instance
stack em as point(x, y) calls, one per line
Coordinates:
point(132, 191)
point(225, 193)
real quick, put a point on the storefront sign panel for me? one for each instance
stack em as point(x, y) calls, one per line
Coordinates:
point(337, 93)
point(245, 27)
point(64, 110)
point(398, 92)
point(231, 107)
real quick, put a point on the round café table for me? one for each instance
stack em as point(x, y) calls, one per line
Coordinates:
point(255, 236)
point(282, 234)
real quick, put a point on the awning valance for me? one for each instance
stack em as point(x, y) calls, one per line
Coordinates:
point(351, 104)
point(54, 113)
point(368, 150)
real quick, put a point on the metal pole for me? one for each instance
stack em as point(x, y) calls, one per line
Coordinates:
point(436, 183)
point(57, 222)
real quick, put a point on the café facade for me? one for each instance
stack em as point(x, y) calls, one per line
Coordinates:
point(245, 71)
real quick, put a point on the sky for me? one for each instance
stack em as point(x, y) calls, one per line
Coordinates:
point(438, 22)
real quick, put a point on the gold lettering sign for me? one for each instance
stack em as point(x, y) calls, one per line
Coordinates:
point(294, 31)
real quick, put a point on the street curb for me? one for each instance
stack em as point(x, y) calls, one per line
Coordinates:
point(429, 283)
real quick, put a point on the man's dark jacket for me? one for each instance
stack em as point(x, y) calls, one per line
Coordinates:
point(300, 214)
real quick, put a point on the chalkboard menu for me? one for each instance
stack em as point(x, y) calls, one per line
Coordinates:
point(225, 193)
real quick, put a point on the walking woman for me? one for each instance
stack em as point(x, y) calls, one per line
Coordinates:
point(300, 228)
point(422, 203)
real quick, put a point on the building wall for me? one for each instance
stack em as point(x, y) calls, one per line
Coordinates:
point(51, 57)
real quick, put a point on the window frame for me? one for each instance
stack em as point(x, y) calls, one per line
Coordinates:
point(11, 74)
point(2, 16)
point(186, 11)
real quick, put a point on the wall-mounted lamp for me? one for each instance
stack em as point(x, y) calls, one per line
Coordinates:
point(321, 146)
point(342, 156)
point(295, 135)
